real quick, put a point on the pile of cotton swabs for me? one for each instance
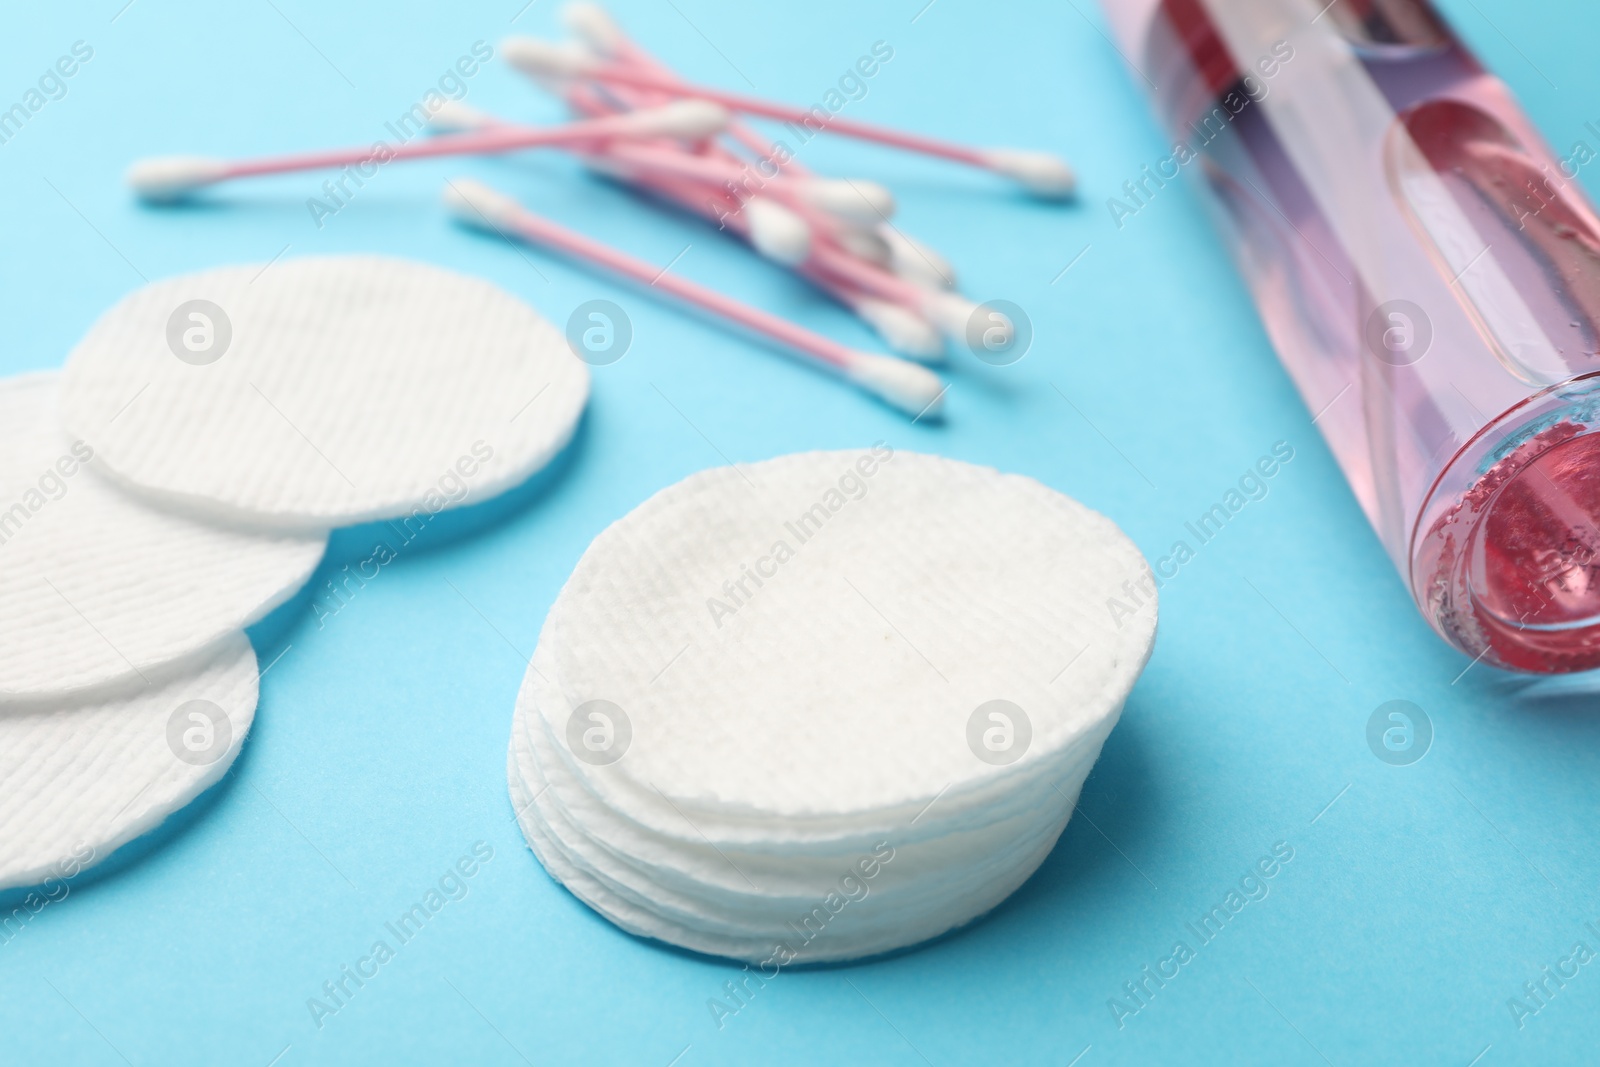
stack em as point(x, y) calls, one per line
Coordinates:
point(690, 146)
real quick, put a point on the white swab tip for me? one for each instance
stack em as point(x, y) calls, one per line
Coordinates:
point(952, 313)
point(856, 200)
point(777, 233)
point(915, 390)
point(593, 25)
point(1041, 173)
point(916, 262)
point(691, 120)
point(546, 59)
point(475, 204)
point(864, 244)
point(452, 116)
point(902, 330)
point(172, 177)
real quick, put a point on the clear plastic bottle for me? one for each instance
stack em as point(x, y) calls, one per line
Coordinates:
point(1429, 273)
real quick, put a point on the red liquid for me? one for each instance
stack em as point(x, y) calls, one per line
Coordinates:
point(1521, 553)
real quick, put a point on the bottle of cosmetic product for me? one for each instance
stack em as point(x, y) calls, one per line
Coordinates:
point(1429, 273)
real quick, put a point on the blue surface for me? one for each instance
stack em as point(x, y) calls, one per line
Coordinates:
point(1419, 898)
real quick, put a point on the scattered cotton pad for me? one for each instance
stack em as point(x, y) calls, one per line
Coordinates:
point(322, 391)
point(96, 586)
point(78, 780)
point(764, 677)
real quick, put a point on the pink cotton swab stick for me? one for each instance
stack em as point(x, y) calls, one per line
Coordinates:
point(949, 311)
point(1040, 173)
point(780, 227)
point(882, 244)
point(902, 329)
point(786, 238)
point(860, 202)
point(781, 235)
point(172, 178)
point(898, 312)
point(775, 231)
point(857, 201)
point(905, 386)
point(595, 26)
point(856, 212)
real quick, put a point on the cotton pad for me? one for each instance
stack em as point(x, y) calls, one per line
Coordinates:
point(764, 676)
point(97, 586)
point(322, 391)
point(78, 780)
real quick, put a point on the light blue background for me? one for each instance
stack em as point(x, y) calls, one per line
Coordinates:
point(1414, 906)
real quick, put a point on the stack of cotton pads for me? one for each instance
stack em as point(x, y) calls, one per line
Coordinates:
point(824, 706)
point(177, 482)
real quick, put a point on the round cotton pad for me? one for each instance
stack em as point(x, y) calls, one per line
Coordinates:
point(95, 585)
point(79, 780)
point(763, 673)
point(813, 643)
point(323, 391)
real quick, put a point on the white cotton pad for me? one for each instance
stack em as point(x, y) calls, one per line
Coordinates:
point(78, 780)
point(323, 391)
point(97, 586)
point(844, 683)
point(800, 658)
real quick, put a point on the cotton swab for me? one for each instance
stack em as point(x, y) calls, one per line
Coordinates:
point(853, 200)
point(902, 385)
point(1041, 173)
point(782, 219)
point(596, 28)
point(774, 230)
point(778, 234)
point(903, 329)
point(902, 326)
point(863, 244)
point(915, 261)
point(884, 246)
point(950, 312)
point(172, 178)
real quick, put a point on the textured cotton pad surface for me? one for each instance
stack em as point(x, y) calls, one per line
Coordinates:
point(96, 585)
point(890, 606)
point(323, 391)
point(762, 674)
point(78, 780)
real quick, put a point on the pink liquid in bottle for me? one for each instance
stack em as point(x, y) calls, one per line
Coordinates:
point(1429, 274)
